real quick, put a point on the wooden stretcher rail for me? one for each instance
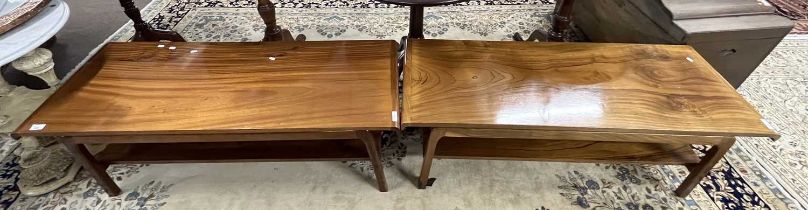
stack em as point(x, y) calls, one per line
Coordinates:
point(179, 138)
point(565, 151)
point(314, 150)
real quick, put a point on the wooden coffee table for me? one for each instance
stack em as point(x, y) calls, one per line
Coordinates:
point(573, 102)
point(218, 102)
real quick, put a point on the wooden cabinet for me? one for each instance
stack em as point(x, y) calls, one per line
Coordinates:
point(733, 35)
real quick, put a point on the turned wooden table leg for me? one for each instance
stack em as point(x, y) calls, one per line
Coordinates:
point(416, 22)
point(431, 144)
point(274, 32)
point(97, 170)
point(373, 145)
point(144, 31)
point(700, 170)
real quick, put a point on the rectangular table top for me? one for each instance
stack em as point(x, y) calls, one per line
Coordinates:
point(661, 89)
point(193, 88)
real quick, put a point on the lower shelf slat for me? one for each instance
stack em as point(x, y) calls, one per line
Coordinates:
point(565, 151)
point(310, 150)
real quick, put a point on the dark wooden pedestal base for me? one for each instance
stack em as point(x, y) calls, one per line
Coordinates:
point(274, 32)
point(324, 146)
point(145, 32)
point(590, 147)
point(561, 19)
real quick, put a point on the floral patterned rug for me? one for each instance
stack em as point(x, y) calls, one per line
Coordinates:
point(757, 173)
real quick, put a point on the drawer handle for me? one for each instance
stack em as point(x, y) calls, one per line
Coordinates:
point(727, 52)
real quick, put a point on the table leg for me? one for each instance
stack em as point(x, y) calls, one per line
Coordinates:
point(700, 170)
point(144, 31)
point(273, 32)
point(425, 136)
point(97, 170)
point(416, 22)
point(372, 143)
point(430, 145)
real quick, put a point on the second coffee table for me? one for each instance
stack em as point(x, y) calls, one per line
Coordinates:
point(573, 102)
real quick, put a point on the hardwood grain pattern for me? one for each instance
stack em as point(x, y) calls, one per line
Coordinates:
point(659, 89)
point(314, 150)
point(565, 150)
point(206, 88)
point(583, 135)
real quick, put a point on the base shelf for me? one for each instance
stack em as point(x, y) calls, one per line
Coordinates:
point(307, 150)
point(565, 151)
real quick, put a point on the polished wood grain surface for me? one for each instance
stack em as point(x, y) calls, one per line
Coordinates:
point(660, 89)
point(198, 88)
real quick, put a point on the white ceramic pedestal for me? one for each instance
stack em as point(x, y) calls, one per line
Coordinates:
point(38, 63)
point(44, 166)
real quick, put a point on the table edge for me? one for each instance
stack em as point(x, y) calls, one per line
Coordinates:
point(202, 132)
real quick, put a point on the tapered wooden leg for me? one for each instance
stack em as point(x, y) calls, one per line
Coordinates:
point(424, 137)
point(700, 170)
point(431, 144)
point(373, 145)
point(97, 170)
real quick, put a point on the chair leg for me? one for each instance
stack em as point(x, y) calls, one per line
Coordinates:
point(372, 143)
point(700, 170)
point(430, 145)
point(97, 170)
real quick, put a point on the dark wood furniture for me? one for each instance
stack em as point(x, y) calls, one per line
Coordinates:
point(145, 32)
point(561, 18)
point(580, 102)
point(416, 28)
point(735, 36)
point(158, 102)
